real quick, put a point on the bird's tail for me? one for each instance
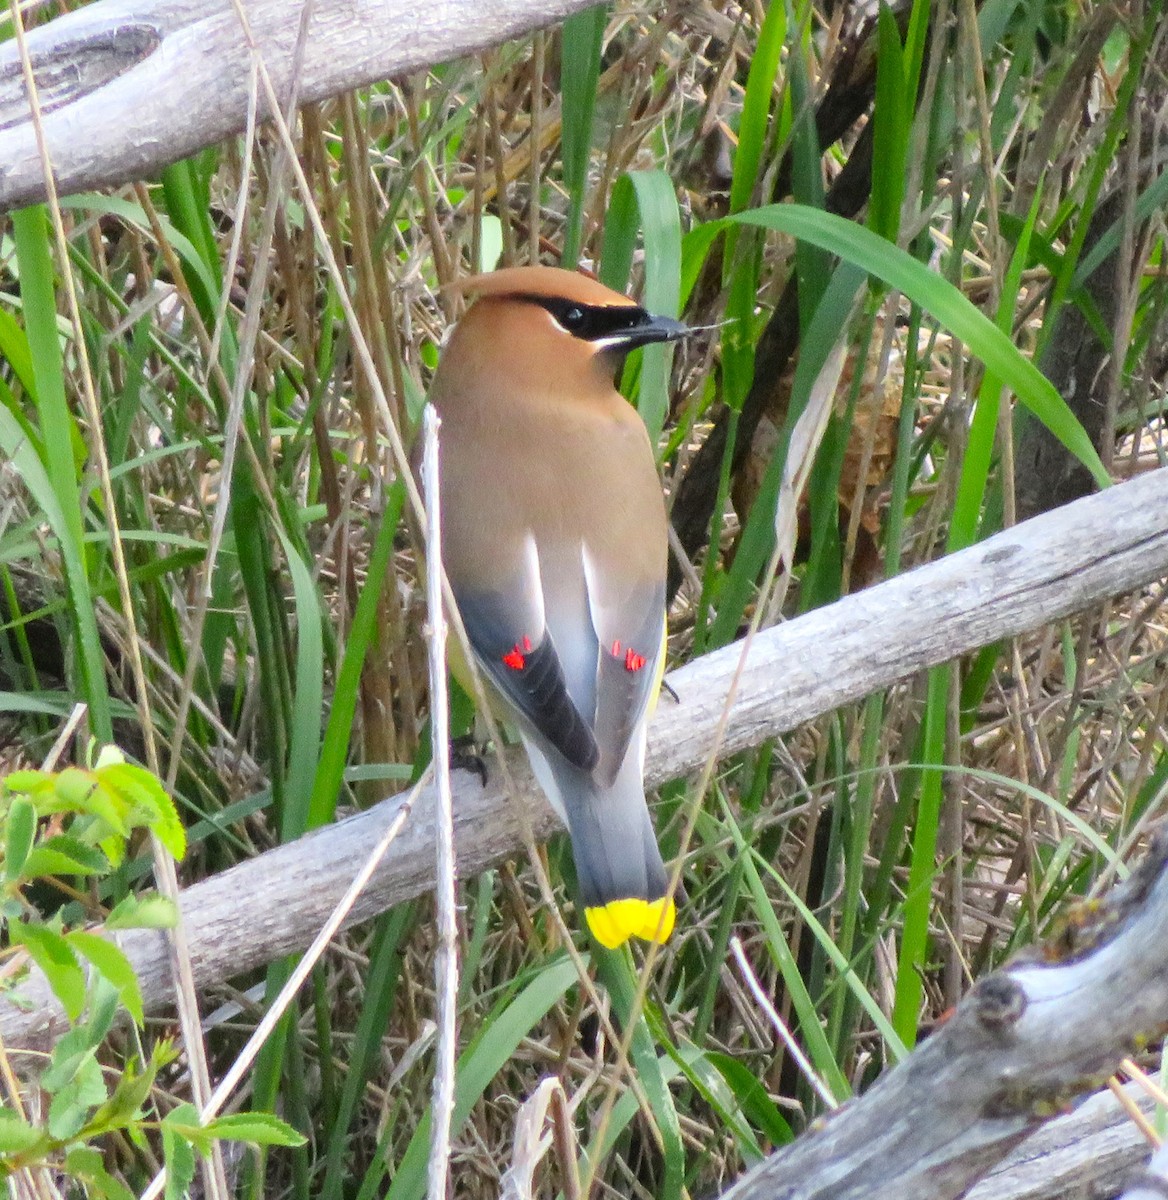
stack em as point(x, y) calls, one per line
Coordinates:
point(622, 880)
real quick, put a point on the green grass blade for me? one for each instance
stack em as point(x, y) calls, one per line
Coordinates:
point(948, 305)
point(478, 1064)
point(914, 943)
point(614, 969)
point(57, 487)
point(581, 40)
point(758, 538)
point(308, 702)
point(810, 1030)
point(334, 749)
point(983, 428)
point(756, 106)
point(892, 115)
point(651, 195)
point(381, 981)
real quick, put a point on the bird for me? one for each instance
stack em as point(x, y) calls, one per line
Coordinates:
point(554, 543)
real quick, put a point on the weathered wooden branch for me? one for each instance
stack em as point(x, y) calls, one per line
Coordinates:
point(1093, 1150)
point(1026, 1040)
point(1152, 1183)
point(1025, 577)
point(130, 86)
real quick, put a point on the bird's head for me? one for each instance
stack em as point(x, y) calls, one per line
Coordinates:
point(545, 322)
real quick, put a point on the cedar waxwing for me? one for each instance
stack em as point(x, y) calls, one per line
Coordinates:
point(554, 541)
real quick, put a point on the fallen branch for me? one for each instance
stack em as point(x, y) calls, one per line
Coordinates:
point(1091, 1151)
point(1039, 571)
point(1025, 1042)
point(131, 86)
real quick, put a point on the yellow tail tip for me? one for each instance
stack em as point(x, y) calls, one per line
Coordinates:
point(614, 923)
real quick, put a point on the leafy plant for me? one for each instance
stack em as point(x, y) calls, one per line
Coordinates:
point(79, 824)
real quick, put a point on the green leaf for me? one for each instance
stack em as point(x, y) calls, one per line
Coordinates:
point(334, 749)
point(308, 701)
point(71, 1105)
point(143, 912)
point(184, 1120)
point(55, 482)
point(16, 1136)
point(261, 1129)
point(696, 1067)
point(892, 115)
point(19, 832)
point(114, 965)
point(85, 1164)
point(14, 349)
point(140, 791)
point(755, 122)
point(131, 1093)
point(68, 1054)
point(179, 1156)
point(49, 950)
point(72, 786)
point(752, 1098)
point(614, 970)
point(64, 855)
point(31, 783)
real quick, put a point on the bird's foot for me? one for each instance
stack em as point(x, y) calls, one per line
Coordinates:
point(465, 755)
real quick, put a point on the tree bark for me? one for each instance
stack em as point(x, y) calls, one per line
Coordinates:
point(129, 86)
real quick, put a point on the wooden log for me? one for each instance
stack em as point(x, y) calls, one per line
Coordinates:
point(129, 86)
point(1020, 579)
point(1093, 1150)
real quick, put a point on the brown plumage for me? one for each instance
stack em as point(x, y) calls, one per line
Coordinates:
point(555, 545)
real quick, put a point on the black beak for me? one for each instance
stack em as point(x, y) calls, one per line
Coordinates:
point(652, 329)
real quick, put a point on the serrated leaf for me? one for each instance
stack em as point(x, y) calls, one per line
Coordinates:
point(143, 912)
point(16, 1135)
point(68, 1054)
point(70, 1107)
point(114, 848)
point(86, 1164)
point(180, 1163)
point(184, 1121)
point(73, 786)
point(29, 783)
point(19, 832)
point(114, 965)
point(152, 806)
point(49, 950)
point(64, 855)
point(259, 1128)
point(110, 806)
point(129, 1096)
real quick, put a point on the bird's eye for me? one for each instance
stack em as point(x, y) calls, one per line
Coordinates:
point(573, 318)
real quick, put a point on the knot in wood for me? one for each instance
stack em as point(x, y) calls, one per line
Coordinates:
point(70, 70)
point(998, 1003)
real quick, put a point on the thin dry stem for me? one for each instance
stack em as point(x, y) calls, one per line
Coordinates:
point(446, 957)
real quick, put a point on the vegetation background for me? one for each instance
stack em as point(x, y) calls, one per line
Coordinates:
point(235, 598)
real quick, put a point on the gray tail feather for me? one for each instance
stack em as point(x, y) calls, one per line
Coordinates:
point(613, 841)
